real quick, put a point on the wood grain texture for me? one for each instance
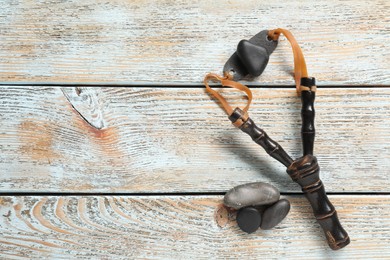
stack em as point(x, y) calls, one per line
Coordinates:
point(181, 227)
point(149, 42)
point(179, 140)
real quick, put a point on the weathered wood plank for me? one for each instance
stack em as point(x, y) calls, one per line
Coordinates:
point(176, 227)
point(179, 140)
point(143, 42)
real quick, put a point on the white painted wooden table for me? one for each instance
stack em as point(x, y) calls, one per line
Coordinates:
point(110, 148)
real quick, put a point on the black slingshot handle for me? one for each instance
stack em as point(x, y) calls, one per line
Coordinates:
point(304, 171)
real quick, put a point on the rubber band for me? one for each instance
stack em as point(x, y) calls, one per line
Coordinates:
point(300, 70)
point(226, 82)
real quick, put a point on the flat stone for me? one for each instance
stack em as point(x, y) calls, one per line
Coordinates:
point(248, 219)
point(274, 214)
point(251, 194)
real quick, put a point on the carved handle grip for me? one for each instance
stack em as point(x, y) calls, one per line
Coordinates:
point(261, 138)
point(307, 114)
point(305, 171)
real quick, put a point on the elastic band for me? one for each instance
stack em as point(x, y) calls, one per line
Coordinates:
point(226, 82)
point(300, 70)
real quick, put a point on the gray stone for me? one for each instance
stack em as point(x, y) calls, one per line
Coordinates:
point(255, 58)
point(248, 219)
point(251, 194)
point(275, 214)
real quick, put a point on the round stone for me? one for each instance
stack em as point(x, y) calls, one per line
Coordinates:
point(248, 219)
point(251, 194)
point(274, 214)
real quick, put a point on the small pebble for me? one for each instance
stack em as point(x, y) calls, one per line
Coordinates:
point(251, 194)
point(254, 57)
point(275, 214)
point(248, 219)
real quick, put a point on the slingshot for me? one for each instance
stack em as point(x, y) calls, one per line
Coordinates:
point(304, 170)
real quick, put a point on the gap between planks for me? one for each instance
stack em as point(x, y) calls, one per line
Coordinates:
point(171, 194)
point(176, 86)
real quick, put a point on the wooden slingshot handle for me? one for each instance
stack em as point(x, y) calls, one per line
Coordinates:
point(260, 137)
point(305, 171)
